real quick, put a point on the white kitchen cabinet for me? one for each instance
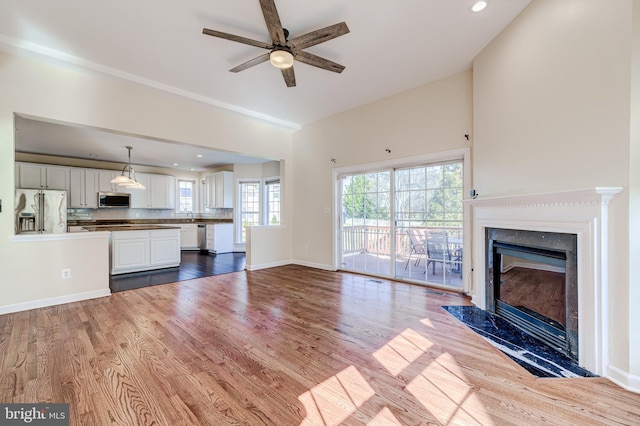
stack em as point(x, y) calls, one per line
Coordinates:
point(42, 176)
point(143, 250)
point(219, 237)
point(189, 236)
point(164, 248)
point(159, 192)
point(104, 181)
point(83, 188)
point(219, 190)
point(129, 251)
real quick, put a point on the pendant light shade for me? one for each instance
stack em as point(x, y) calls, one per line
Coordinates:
point(128, 180)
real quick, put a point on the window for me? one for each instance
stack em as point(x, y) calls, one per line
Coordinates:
point(186, 195)
point(272, 199)
point(249, 206)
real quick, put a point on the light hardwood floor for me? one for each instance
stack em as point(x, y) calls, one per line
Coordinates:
point(284, 346)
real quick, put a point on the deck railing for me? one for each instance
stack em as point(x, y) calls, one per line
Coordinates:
point(377, 239)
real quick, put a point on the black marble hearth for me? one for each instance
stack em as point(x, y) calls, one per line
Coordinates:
point(535, 356)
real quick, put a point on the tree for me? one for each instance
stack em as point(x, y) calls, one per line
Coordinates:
point(364, 198)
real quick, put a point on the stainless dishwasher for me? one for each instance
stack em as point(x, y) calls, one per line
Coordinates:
point(202, 237)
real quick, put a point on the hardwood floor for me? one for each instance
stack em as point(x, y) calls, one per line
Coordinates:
point(283, 346)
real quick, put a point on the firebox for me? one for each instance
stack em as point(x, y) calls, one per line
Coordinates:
point(531, 281)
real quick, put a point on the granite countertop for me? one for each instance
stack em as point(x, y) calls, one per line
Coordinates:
point(128, 227)
point(126, 222)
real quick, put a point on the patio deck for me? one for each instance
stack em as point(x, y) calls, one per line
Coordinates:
point(380, 265)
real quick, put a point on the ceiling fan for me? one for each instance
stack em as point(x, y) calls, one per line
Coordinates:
point(284, 51)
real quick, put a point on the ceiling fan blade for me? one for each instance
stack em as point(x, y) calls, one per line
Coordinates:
point(273, 22)
point(255, 61)
point(289, 76)
point(239, 39)
point(317, 61)
point(318, 36)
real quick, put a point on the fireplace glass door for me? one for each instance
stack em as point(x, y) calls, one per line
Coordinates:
point(532, 284)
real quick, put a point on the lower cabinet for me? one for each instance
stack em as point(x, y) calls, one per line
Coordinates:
point(133, 251)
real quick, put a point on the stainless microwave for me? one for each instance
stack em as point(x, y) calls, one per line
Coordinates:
point(114, 200)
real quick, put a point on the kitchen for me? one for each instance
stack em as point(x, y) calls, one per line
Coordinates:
point(170, 211)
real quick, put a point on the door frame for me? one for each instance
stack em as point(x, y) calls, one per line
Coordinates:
point(463, 154)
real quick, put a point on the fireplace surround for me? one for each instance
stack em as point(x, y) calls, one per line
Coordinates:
point(583, 213)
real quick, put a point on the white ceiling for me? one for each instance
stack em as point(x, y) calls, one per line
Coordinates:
point(393, 46)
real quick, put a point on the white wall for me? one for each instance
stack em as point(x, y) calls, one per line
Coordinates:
point(432, 118)
point(63, 93)
point(552, 112)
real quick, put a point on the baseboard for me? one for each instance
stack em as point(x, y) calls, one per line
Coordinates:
point(267, 265)
point(623, 379)
point(43, 303)
point(314, 265)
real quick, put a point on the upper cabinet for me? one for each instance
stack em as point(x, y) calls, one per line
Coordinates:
point(104, 181)
point(219, 190)
point(83, 188)
point(41, 176)
point(159, 192)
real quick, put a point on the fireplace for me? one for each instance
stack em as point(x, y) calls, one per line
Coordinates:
point(581, 213)
point(531, 281)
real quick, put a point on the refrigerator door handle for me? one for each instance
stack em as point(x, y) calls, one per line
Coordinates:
point(41, 212)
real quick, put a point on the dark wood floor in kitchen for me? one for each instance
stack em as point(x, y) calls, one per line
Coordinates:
point(194, 264)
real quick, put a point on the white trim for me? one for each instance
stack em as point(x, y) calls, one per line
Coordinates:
point(313, 265)
point(463, 154)
point(267, 265)
point(623, 379)
point(43, 303)
point(582, 212)
point(36, 238)
point(12, 45)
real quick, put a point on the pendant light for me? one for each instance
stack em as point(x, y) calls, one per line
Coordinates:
point(128, 181)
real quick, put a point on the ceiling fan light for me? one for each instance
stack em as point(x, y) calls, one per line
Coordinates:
point(281, 59)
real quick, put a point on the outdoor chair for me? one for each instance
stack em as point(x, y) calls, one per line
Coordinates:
point(417, 247)
point(438, 251)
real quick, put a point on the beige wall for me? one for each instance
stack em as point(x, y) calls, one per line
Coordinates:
point(634, 200)
point(430, 119)
point(62, 93)
point(552, 112)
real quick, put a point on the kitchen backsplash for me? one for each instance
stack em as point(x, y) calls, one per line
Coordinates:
point(102, 214)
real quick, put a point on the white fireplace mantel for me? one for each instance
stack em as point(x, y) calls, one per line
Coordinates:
point(582, 212)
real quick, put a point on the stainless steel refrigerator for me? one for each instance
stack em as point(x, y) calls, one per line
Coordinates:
point(39, 211)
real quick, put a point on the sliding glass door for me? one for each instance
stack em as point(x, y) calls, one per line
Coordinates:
point(366, 222)
point(418, 236)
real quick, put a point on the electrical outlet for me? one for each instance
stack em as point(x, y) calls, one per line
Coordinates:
point(306, 248)
point(65, 273)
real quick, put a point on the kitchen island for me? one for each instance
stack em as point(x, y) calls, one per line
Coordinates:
point(135, 248)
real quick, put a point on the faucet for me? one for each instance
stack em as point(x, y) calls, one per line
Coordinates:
point(192, 219)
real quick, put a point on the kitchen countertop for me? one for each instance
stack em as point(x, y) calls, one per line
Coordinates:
point(126, 222)
point(128, 227)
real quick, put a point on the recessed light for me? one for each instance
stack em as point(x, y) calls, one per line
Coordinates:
point(192, 170)
point(478, 6)
point(199, 155)
point(175, 164)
